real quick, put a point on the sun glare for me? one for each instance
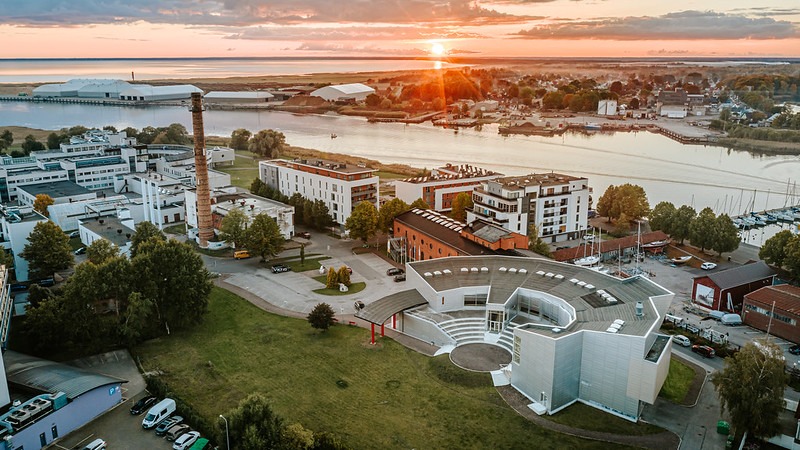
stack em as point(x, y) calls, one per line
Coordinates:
point(437, 49)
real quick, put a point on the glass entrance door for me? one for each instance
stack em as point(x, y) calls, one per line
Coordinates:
point(495, 322)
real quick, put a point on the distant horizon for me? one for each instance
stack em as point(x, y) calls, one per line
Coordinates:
point(451, 59)
point(359, 28)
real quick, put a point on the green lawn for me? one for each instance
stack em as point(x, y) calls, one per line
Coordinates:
point(242, 178)
point(579, 415)
point(354, 287)
point(395, 398)
point(678, 381)
point(179, 229)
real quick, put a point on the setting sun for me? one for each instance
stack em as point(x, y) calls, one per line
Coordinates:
point(437, 49)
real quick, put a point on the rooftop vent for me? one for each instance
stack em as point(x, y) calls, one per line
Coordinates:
point(556, 330)
point(502, 269)
point(639, 309)
point(526, 271)
point(464, 269)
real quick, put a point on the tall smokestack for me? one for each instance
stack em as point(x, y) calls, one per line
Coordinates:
point(204, 223)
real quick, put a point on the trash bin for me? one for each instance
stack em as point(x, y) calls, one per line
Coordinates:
point(723, 427)
point(729, 442)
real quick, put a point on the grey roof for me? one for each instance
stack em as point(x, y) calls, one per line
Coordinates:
point(738, 276)
point(55, 189)
point(380, 310)
point(52, 377)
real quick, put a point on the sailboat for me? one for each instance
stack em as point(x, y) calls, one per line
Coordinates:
point(592, 259)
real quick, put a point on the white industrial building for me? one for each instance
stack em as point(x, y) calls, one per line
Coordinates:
point(607, 107)
point(147, 93)
point(237, 97)
point(16, 224)
point(573, 334)
point(340, 186)
point(354, 91)
point(443, 185)
point(557, 204)
point(223, 201)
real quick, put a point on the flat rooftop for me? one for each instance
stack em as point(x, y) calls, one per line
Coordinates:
point(585, 290)
point(55, 189)
point(111, 229)
point(463, 172)
point(537, 179)
point(333, 166)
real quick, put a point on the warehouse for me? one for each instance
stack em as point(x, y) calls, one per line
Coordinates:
point(147, 93)
point(355, 92)
point(80, 87)
point(238, 97)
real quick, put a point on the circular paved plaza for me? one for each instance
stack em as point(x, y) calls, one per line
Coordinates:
point(480, 357)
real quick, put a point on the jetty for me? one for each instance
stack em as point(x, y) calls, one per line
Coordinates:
point(788, 214)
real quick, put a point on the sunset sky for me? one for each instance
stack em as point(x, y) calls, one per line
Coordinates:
point(546, 28)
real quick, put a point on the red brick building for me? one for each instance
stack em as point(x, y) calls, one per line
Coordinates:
point(425, 234)
point(782, 303)
point(725, 290)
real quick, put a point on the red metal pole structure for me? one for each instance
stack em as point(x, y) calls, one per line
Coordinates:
point(205, 224)
point(373, 333)
point(394, 321)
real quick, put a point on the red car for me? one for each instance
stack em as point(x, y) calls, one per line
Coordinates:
point(704, 350)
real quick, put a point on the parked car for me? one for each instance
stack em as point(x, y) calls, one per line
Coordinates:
point(185, 441)
point(75, 234)
point(144, 403)
point(682, 340)
point(280, 268)
point(795, 349)
point(241, 254)
point(177, 431)
point(708, 266)
point(80, 251)
point(394, 271)
point(304, 235)
point(164, 426)
point(401, 277)
point(704, 350)
point(97, 444)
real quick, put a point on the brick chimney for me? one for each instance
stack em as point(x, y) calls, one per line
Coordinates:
point(205, 224)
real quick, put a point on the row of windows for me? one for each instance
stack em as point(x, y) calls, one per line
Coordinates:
point(776, 316)
point(475, 299)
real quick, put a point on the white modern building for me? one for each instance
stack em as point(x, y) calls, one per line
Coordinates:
point(115, 229)
point(557, 204)
point(354, 91)
point(147, 93)
point(238, 97)
point(83, 88)
point(443, 185)
point(223, 201)
point(340, 186)
point(573, 334)
point(16, 225)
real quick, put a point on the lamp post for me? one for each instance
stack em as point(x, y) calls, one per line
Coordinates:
point(227, 437)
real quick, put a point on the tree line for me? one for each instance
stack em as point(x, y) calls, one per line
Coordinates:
point(111, 299)
point(261, 236)
point(266, 143)
point(311, 213)
point(783, 251)
point(705, 230)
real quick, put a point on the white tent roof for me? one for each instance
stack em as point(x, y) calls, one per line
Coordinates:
point(352, 88)
point(147, 90)
point(238, 94)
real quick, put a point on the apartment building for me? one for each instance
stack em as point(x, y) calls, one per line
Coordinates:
point(557, 204)
point(443, 185)
point(341, 186)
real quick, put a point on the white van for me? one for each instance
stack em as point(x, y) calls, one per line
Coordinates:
point(682, 340)
point(731, 320)
point(159, 412)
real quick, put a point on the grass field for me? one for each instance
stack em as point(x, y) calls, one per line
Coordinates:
point(354, 287)
point(579, 415)
point(395, 398)
point(678, 381)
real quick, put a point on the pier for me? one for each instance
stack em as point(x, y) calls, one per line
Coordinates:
point(788, 214)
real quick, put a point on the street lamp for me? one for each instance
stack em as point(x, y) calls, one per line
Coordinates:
point(227, 438)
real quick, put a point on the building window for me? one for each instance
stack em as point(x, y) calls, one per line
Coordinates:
point(517, 345)
point(475, 299)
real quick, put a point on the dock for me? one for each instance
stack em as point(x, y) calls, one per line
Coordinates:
point(788, 214)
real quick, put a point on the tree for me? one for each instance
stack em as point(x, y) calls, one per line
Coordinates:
point(773, 251)
point(701, 230)
point(750, 388)
point(321, 317)
point(136, 318)
point(144, 232)
point(461, 203)
point(41, 203)
point(6, 258)
point(233, 228)
point(264, 237)
point(6, 139)
point(535, 243)
point(363, 221)
point(631, 201)
point(634, 103)
point(30, 144)
point(100, 251)
point(726, 235)
point(174, 134)
point(253, 425)
point(373, 100)
point(389, 211)
point(240, 138)
point(267, 143)
point(343, 274)
point(332, 280)
point(661, 217)
point(680, 225)
point(792, 261)
point(47, 250)
point(420, 204)
point(321, 215)
point(606, 203)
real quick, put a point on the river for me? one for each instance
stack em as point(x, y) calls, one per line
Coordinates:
point(727, 181)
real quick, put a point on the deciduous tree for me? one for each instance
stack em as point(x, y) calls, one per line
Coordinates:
point(264, 237)
point(47, 250)
point(420, 204)
point(606, 204)
point(389, 211)
point(30, 144)
point(253, 425)
point(267, 143)
point(726, 235)
point(321, 317)
point(233, 228)
point(343, 275)
point(41, 203)
point(332, 280)
point(661, 217)
point(681, 224)
point(773, 251)
point(535, 243)
point(240, 139)
point(145, 231)
point(792, 261)
point(363, 221)
point(750, 388)
point(461, 204)
point(100, 251)
point(701, 230)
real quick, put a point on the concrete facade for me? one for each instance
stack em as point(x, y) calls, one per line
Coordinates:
point(443, 185)
point(774, 308)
